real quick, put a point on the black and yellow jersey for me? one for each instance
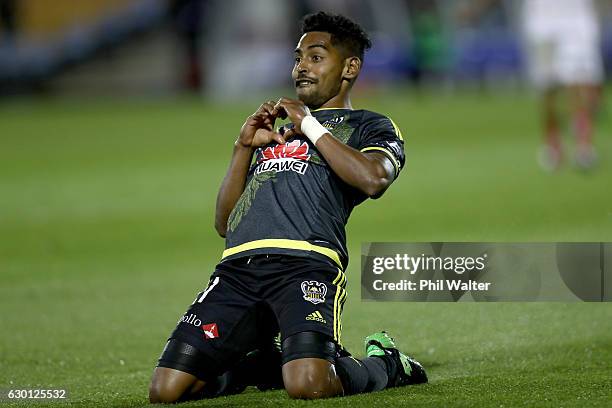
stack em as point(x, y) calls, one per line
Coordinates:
point(294, 204)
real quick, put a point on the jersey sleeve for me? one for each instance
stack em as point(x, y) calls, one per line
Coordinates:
point(382, 135)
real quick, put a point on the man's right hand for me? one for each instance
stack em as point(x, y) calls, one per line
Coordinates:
point(258, 130)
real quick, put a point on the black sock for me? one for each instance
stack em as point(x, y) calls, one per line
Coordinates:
point(225, 384)
point(259, 368)
point(392, 369)
point(265, 370)
point(365, 375)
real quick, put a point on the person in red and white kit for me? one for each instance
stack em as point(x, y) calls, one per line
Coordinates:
point(562, 40)
point(562, 45)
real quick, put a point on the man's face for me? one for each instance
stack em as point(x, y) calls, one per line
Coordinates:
point(318, 69)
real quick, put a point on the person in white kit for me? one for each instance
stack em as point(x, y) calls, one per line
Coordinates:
point(562, 40)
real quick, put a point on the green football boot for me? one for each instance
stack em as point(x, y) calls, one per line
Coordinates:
point(409, 370)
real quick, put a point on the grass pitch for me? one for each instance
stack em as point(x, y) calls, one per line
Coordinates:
point(106, 221)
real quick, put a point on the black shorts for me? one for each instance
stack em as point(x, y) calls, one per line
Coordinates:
point(249, 300)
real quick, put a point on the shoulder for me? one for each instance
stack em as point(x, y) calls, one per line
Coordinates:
point(373, 122)
point(378, 133)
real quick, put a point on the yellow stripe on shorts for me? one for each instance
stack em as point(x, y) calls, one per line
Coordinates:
point(339, 299)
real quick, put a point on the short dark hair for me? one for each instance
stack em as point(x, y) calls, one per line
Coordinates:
point(344, 32)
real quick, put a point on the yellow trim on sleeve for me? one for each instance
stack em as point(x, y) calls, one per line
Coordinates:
point(396, 163)
point(284, 244)
point(398, 132)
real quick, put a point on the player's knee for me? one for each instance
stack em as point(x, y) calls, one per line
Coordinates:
point(301, 392)
point(305, 387)
point(308, 379)
point(163, 393)
point(168, 386)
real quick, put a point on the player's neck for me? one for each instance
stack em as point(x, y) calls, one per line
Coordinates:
point(340, 101)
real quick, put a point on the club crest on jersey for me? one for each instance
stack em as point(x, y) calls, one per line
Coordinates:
point(331, 123)
point(314, 292)
point(292, 156)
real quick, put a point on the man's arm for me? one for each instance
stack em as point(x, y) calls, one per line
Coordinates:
point(371, 173)
point(233, 185)
point(256, 131)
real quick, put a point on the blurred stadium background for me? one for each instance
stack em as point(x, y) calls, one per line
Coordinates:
point(158, 47)
point(116, 124)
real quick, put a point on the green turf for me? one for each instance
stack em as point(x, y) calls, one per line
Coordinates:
point(106, 213)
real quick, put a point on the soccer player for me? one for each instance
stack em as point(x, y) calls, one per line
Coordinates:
point(282, 209)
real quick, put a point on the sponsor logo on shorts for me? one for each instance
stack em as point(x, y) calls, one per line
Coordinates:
point(292, 156)
point(211, 331)
point(191, 319)
point(314, 292)
point(316, 316)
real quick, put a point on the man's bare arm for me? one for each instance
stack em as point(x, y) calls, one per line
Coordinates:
point(256, 131)
point(232, 186)
point(371, 173)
